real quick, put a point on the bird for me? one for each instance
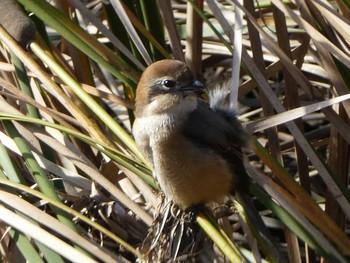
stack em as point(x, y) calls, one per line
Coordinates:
point(194, 147)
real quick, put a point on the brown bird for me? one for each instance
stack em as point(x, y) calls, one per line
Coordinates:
point(195, 149)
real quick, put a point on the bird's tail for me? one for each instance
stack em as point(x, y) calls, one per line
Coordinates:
point(219, 101)
point(219, 97)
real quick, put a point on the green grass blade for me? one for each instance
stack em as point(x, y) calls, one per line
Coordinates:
point(82, 40)
point(45, 185)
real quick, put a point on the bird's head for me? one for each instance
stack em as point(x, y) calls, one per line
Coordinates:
point(166, 85)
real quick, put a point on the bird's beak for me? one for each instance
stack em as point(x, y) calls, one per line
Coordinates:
point(196, 87)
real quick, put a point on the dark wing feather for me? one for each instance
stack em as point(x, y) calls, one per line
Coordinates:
point(221, 133)
point(215, 129)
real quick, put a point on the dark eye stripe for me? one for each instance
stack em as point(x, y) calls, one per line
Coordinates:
point(165, 86)
point(155, 91)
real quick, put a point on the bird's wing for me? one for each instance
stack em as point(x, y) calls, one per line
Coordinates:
point(223, 134)
point(210, 128)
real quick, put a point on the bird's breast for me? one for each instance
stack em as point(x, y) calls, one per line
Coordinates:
point(156, 128)
point(187, 173)
point(151, 131)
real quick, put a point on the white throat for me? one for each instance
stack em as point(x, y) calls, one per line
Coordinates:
point(161, 118)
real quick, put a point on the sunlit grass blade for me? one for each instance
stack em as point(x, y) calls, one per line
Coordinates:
point(304, 202)
point(92, 104)
point(70, 211)
point(51, 241)
point(37, 172)
point(114, 154)
point(294, 225)
point(82, 40)
point(229, 249)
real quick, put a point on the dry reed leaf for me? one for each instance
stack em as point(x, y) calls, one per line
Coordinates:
point(292, 114)
point(277, 194)
point(119, 9)
point(170, 26)
point(87, 14)
point(41, 235)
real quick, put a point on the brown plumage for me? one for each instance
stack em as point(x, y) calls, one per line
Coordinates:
point(195, 150)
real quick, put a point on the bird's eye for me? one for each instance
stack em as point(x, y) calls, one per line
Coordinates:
point(169, 83)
